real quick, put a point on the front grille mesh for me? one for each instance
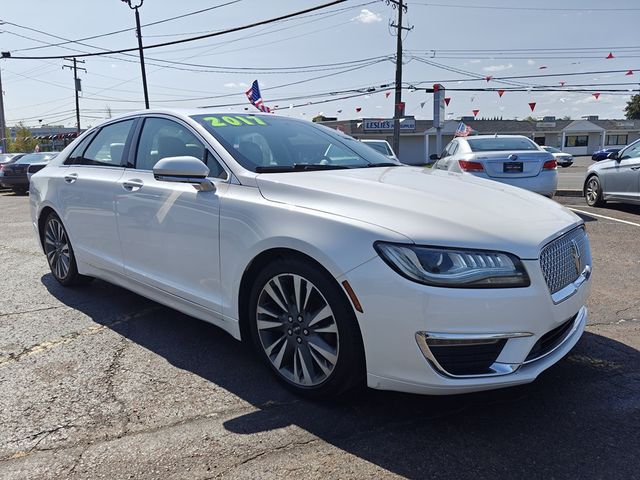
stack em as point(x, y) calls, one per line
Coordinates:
point(558, 261)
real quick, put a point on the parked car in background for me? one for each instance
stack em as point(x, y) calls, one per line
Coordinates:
point(36, 167)
point(603, 154)
point(381, 146)
point(615, 179)
point(6, 158)
point(563, 159)
point(511, 159)
point(339, 265)
point(14, 175)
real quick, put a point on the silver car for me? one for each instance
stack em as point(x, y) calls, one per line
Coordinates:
point(511, 159)
point(564, 159)
point(617, 178)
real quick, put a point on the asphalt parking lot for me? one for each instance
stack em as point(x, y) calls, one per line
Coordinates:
point(98, 382)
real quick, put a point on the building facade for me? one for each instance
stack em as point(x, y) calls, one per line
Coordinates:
point(418, 137)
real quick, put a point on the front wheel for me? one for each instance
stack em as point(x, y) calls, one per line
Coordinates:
point(305, 329)
point(593, 192)
point(60, 257)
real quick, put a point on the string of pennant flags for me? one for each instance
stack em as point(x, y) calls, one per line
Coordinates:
point(255, 98)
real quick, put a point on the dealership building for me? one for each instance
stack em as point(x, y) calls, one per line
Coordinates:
point(418, 137)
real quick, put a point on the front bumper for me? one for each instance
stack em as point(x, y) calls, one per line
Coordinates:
point(398, 314)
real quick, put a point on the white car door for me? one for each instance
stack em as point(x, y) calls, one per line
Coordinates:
point(86, 196)
point(170, 231)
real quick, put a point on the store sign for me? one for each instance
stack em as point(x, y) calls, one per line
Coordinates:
point(546, 124)
point(625, 124)
point(381, 124)
point(438, 105)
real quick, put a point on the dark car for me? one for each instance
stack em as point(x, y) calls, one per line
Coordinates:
point(13, 175)
point(604, 153)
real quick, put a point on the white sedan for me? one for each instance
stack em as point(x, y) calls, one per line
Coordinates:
point(512, 159)
point(341, 268)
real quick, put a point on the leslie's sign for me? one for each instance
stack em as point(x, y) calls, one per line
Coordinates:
point(378, 124)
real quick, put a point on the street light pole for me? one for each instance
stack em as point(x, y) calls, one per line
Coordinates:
point(3, 126)
point(140, 50)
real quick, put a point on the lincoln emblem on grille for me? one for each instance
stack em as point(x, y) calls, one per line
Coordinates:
point(575, 253)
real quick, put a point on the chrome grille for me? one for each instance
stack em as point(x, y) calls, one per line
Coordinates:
point(563, 259)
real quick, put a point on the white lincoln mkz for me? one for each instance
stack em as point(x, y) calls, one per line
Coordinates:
point(340, 265)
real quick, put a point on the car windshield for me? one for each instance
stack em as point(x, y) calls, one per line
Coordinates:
point(266, 143)
point(381, 147)
point(552, 150)
point(498, 144)
point(37, 157)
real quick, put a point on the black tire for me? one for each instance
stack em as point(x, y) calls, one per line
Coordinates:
point(593, 192)
point(59, 252)
point(348, 371)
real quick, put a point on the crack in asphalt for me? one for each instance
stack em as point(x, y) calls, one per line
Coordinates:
point(70, 337)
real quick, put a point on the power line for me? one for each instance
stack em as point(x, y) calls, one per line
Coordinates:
point(184, 40)
point(535, 9)
point(66, 41)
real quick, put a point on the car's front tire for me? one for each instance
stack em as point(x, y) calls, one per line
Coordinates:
point(593, 192)
point(59, 252)
point(305, 329)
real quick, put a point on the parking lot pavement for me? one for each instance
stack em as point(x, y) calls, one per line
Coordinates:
point(572, 178)
point(98, 382)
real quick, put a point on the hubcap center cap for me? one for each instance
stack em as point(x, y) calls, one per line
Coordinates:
point(297, 329)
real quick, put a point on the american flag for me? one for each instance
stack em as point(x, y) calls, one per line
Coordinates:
point(463, 130)
point(253, 94)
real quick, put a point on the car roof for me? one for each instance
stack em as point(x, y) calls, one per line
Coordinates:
point(471, 137)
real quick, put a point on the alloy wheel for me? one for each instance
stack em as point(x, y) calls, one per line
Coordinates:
point(593, 191)
point(297, 329)
point(56, 246)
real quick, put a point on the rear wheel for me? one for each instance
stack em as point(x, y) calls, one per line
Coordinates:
point(593, 192)
point(305, 329)
point(60, 257)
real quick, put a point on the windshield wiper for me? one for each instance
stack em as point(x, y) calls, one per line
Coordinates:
point(298, 167)
point(383, 164)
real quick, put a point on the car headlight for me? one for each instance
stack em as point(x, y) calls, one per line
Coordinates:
point(451, 267)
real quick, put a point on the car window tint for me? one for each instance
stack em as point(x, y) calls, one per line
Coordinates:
point(76, 155)
point(107, 146)
point(453, 148)
point(497, 144)
point(162, 138)
point(633, 151)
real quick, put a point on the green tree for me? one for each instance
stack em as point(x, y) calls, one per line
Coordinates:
point(632, 110)
point(24, 141)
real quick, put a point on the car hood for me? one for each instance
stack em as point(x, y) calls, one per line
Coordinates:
point(428, 207)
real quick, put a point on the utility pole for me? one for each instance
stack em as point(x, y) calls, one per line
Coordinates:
point(398, 111)
point(140, 50)
point(3, 126)
point(78, 85)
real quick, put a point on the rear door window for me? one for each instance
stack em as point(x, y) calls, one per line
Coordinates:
point(108, 146)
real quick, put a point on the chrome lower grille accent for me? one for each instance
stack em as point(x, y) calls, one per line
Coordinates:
point(563, 259)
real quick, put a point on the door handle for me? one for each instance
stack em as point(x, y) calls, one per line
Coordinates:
point(70, 178)
point(132, 185)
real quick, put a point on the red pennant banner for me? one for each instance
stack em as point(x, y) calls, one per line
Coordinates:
point(500, 93)
point(386, 95)
point(562, 83)
point(596, 95)
point(447, 100)
point(488, 77)
point(400, 106)
point(610, 56)
point(630, 72)
point(358, 109)
point(532, 105)
point(476, 112)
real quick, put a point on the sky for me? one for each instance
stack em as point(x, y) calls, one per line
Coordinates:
point(350, 46)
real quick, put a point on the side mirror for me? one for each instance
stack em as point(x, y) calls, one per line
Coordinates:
point(434, 156)
point(613, 155)
point(185, 169)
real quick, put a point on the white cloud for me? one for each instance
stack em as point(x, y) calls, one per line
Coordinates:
point(235, 85)
point(497, 68)
point(475, 60)
point(530, 62)
point(367, 16)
